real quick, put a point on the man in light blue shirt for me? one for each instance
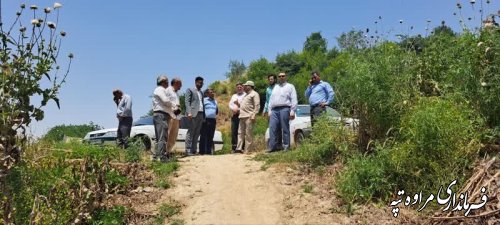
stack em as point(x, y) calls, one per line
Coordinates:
point(320, 94)
point(124, 115)
point(208, 128)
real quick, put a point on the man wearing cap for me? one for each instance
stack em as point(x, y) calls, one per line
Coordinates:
point(161, 105)
point(195, 110)
point(283, 103)
point(234, 105)
point(124, 115)
point(320, 94)
point(249, 108)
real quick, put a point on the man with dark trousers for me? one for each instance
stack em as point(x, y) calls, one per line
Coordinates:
point(234, 103)
point(208, 127)
point(124, 115)
point(195, 111)
point(320, 94)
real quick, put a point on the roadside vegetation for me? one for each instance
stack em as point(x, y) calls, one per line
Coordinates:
point(427, 106)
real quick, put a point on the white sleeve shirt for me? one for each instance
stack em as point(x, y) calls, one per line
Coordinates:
point(284, 95)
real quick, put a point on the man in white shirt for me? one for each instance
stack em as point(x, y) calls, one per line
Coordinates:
point(124, 115)
point(234, 105)
point(161, 105)
point(282, 105)
point(174, 112)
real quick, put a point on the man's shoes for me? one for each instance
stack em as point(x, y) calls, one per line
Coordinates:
point(189, 154)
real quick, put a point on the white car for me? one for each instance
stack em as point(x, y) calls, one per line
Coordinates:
point(144, 129)
point(301, 126)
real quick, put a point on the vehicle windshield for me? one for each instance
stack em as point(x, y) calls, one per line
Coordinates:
point(303, 111)
point(144, 121)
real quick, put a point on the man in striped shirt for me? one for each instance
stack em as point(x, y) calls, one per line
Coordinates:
point(282, 105)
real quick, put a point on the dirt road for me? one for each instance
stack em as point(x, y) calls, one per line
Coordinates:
point(227, 189)
point(233, 189)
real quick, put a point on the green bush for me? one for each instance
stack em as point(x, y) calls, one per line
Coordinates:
point(365, 178)
point(57, 133)
point(439, 142)
point(113, 216)
point(328, 140)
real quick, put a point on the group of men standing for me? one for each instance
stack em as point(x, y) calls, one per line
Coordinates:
point(280, 107)
point(202, 109)
point(201, 112)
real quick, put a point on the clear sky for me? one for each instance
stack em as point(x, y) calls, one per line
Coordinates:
point(127, 44)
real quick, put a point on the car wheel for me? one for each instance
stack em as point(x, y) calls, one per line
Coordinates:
point(144, 142)
point(299, 138)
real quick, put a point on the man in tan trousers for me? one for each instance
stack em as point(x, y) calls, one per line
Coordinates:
point(249, 108)
point(174, 112)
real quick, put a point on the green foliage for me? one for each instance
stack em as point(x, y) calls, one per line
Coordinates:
point(439, 141)
point(290, 63)
point(307, 188)
point(365, 178)
point(80, 151)
point(57, 133)
point(328, 140)
point(163, 171)
point(52, 179)
point(134, 151)
point(227, 146)
point(113, 216)
point(236, 70)
point(315, 43)
point(168, 210)
point(115, 179)
point(258, 71)
point(30, 77)
point(352, 40)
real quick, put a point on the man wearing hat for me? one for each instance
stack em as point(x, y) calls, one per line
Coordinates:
point(249, 108)
point(161, 106)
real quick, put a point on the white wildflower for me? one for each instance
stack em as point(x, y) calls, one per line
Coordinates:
point(47, 10)
point(35, 21)
point(51, 25)
point(57, 5)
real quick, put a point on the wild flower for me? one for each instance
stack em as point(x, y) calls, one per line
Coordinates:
point(63, 33)
point(34, 7)
point(35, 21)
point(57, 5)
point(47, 10)
point(51, 25)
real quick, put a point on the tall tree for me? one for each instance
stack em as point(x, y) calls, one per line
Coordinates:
point(315, 43)
point(236, 69)
point(352, 40)
point(289, 62)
